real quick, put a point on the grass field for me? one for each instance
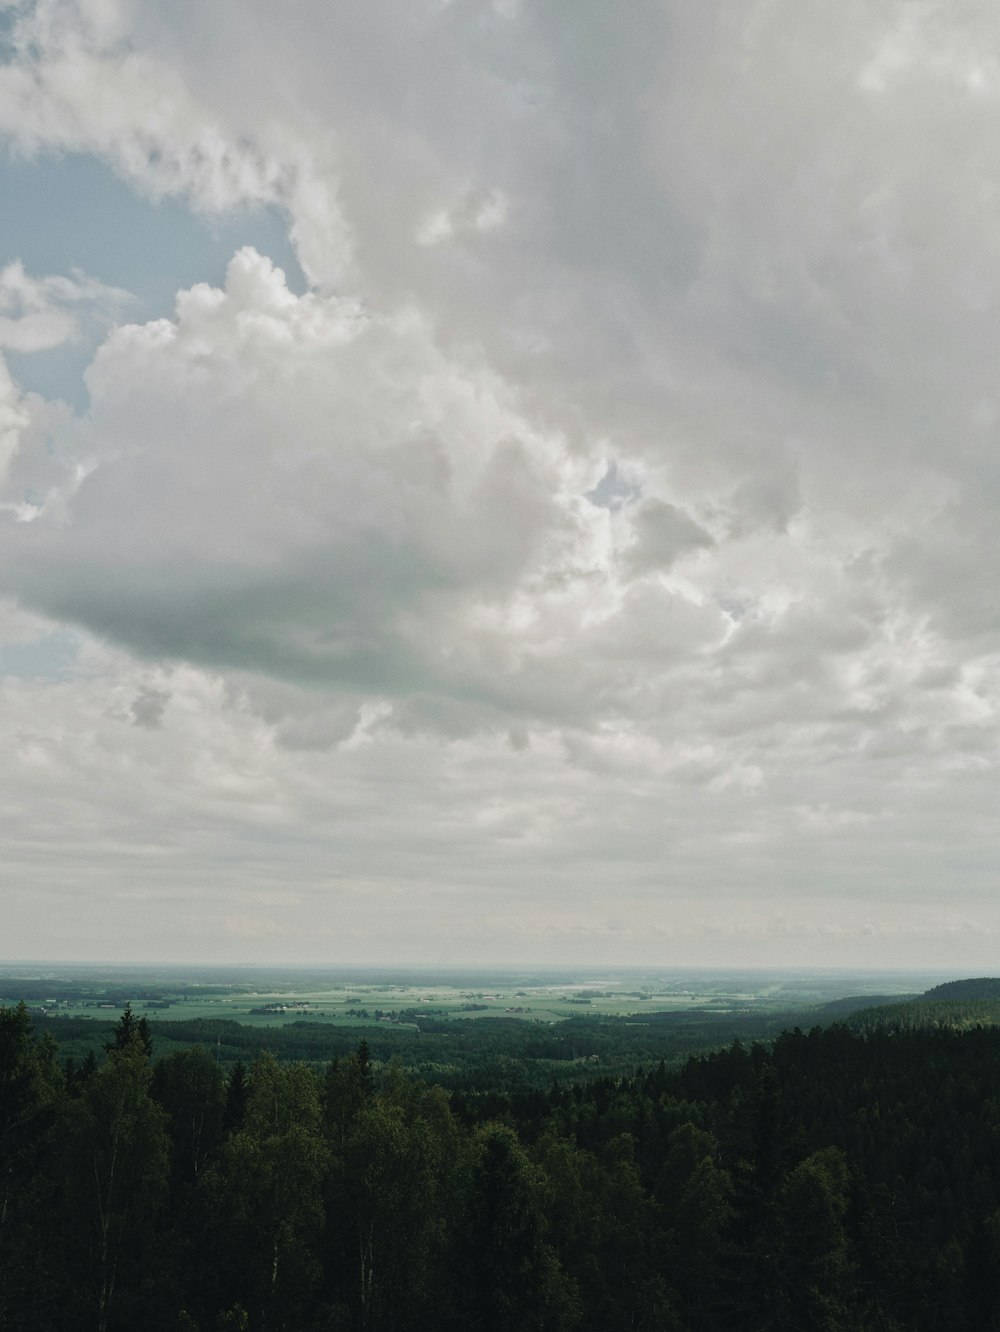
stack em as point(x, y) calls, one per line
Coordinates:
point(274, 998)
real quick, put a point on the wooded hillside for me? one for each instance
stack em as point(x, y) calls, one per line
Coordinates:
point(835, 1180)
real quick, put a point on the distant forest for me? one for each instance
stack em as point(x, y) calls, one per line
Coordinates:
point(494, 1053)
point(838, 1179)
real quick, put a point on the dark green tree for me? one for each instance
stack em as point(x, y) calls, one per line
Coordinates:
point(264, 1198)
point(188, 1084)
point(347, 1086)
point(236, 1098)
point(31, 1099)
point(131, 1030)
point(512, 1278)
point(393, 1192)
point(815, 1275)
point(116, 1170)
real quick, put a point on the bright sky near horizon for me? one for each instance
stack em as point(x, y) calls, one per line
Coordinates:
point(500, 481)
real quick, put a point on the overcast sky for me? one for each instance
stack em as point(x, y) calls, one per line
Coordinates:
point(500, 481)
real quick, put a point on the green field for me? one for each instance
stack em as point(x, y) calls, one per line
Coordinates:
point(510, 1031)
point(270, 998)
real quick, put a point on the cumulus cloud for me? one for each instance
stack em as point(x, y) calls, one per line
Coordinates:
point(148, 706)
point(621, 496)
point(473, 211)
point(80, 79)
point(14, 419)
point(664, 533)
point(37, 314)
point(283, 484)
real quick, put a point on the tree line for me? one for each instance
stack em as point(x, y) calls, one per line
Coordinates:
point(491, 1052)
point(830, 1180)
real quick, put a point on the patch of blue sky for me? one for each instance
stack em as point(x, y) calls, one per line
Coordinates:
point(51, 657)
point(57, 373)
point(60, 212)
point(8, 17)
point(613, 491)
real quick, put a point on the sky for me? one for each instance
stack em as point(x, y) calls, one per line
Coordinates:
point(497, 481)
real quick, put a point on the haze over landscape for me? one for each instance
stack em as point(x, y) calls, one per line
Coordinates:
point(500, 482)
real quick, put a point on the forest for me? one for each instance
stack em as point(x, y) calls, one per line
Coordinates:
point(835, 1179)
point(493, 1053)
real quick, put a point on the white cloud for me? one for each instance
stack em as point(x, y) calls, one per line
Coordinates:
point(616, 511)
point(280, 484)
point(473, 211)
point(14, 419)
point(78, 82)
point(37, 314)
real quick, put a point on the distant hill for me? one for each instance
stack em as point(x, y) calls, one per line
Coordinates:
point(853, 1002)
point(983, 987)
point(923, 1013)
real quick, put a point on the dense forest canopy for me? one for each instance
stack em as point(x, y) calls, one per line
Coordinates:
point(831, 1180)
point(980, 987)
